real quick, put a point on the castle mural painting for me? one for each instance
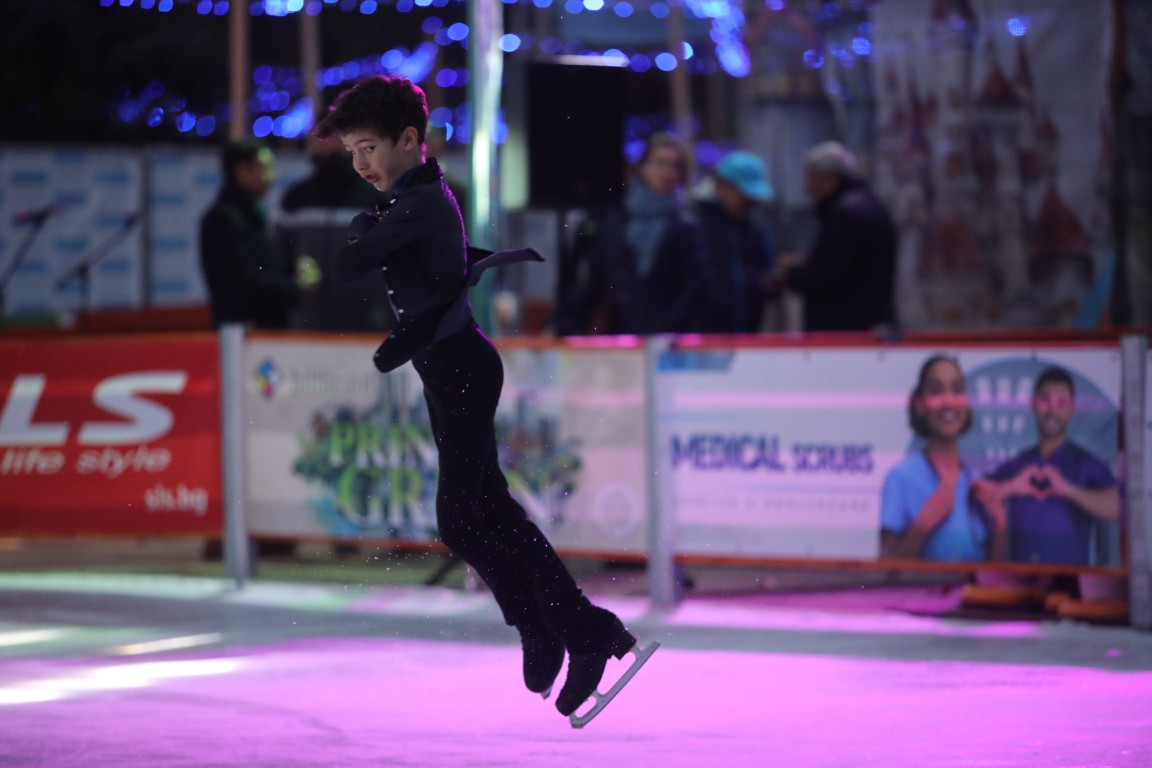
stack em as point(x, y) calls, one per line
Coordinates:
point(994, 154)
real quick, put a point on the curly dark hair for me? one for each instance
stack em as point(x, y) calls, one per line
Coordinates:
point(917, 422)
point(382, 104)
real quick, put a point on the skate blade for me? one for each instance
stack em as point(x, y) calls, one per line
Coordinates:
point(544, 694)
point(601, 700)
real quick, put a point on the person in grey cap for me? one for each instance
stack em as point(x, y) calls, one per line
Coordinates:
point(740, 244)
point(847, 279)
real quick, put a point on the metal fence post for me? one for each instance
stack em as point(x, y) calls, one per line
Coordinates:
point(663, 577)
point(1138, 469)
point(238, 561)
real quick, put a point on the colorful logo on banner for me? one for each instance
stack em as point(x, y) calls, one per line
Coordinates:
point(376, 471)
point(269, 379)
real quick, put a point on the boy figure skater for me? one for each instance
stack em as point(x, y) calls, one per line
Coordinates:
point(417, 239)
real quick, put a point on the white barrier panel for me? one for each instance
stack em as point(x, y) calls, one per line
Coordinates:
point(335, 448)
point(764, 453)
point(784, 452)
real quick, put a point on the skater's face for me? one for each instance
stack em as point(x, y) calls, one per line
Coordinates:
point(378, 159)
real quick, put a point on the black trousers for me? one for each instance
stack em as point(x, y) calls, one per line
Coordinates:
point(477, 516)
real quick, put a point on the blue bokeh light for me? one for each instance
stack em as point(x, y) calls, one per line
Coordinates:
point(185, 122)
point(262, 126)
point(1017, 27)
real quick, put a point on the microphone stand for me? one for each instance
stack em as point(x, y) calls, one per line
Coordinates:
point(81, 270)
point(10, 272)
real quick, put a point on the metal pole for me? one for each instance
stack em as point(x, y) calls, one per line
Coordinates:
point(1138, 468)
point(663, 576)
point(486, 65)
point(238, 561)
point(310, 59)
point(238, 55)
point(681, 87)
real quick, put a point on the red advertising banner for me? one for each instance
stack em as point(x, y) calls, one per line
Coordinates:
point(116, 435)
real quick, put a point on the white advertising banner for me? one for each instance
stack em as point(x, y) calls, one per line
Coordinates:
point(770, 453)
point(785, 452)
point(334, 448)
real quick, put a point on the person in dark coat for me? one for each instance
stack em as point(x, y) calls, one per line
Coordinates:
point(643, 266)
point(316, 210)
point(417, 241)
point(848, 277)
point(740, 243)
point(249, 280)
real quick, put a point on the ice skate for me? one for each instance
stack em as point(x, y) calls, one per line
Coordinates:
point(543, 658)
point(586, 670)
point(601, 700)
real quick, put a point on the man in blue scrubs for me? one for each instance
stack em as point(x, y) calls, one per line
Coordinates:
point(1055, 491)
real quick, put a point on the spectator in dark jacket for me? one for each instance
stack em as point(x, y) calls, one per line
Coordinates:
point(740, 243)
point(643, 267)
point(248, 279)
point(848, 277)
point(316, 211)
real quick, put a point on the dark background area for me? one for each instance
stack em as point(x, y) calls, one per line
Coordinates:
point(67, 65)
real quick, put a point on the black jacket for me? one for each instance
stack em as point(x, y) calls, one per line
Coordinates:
point(743, 254)
point(610, 297)
point(248, 279)
point(417, 242)
point(848, 278)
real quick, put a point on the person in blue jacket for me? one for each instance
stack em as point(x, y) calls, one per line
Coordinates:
point(416, 240)
point(931, 508)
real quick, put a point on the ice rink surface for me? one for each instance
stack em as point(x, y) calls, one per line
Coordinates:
point(159, 672)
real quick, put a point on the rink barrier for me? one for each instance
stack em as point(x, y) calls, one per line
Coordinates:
point(663, 543)
point(56, 393)
point(1138, 470)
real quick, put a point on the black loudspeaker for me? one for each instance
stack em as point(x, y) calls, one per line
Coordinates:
point(575, 121)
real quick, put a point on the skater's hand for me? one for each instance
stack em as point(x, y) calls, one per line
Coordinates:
point(362, 225)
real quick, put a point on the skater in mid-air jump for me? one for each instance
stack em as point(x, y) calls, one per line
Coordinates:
point(417, 239)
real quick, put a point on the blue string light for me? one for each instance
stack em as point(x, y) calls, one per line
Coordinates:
point(281, 100)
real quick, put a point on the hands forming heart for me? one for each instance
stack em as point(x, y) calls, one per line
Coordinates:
point(1041, 481)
